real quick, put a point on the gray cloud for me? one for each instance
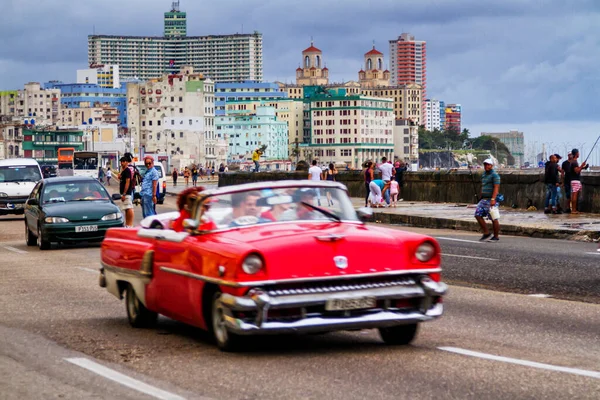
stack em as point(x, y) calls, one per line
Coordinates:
point(506, 62)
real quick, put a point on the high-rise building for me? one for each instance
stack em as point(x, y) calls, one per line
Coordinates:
point(407, 100)
point(222, 58)
point(514, 141)
point(433, 114)
point(408, 61)
point(226, 92)
point(453, 117)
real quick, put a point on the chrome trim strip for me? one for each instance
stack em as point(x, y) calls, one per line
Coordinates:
point(125, 271)
point(297, 280)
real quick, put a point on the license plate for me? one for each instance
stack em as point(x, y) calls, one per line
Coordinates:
point(350, 304)
point(86, 228)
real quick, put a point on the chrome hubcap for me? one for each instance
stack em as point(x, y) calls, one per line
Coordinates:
point(219, 322)
point(133, 304)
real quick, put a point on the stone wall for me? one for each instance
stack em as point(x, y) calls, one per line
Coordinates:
point(447, 186)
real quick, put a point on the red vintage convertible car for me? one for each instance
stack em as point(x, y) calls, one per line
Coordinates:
point(276, 257)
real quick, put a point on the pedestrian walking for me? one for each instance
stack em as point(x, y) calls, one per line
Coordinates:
point(108, 175)
point(125, 188)
point(560, 179)
point(387, 170)
point(551, 177)
point(576, 180)
point(101, 175)
point(487, 206)
point(566, 171)
point(194, 175)
point(175, 175)
point(186, 176)
point(369, 176)
point(315, 174)
point(330, 174)
point(149, 186)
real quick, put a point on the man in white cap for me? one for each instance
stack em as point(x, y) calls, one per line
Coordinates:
point(487, 206)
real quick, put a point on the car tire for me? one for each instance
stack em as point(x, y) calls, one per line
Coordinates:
point(137, 314)
point(225, 340)
point(42, 244)
point(29, 237)
point(399, 335)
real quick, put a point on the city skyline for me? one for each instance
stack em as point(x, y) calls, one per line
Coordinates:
point(534, 77)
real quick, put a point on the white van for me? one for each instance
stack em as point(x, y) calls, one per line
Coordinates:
point(18, 176)
point(161, 189)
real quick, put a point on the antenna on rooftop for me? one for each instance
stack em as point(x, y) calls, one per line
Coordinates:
point(175, 6)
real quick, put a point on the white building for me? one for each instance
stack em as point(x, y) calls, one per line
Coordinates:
point(432, 114)
point(406, 143)
point(106, 76)
point(174, 116)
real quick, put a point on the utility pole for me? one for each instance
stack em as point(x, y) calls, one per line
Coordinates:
point(297, 150)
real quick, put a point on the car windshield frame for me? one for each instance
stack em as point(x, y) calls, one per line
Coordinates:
point(46, 198)
point(206, 210)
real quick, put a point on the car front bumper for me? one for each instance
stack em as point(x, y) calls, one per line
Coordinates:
point(66, 232)
point(426, 296)
point(14, 205)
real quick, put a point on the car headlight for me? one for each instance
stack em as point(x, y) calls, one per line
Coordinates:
point(252, 264)
point(112, 217)
point(55, 220)
point(425, 252)
point(2, 194)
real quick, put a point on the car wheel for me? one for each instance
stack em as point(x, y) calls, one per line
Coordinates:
point(42, 244)
point(399, 335)
point(226, 341)
point(29, 237)
point(137, 314)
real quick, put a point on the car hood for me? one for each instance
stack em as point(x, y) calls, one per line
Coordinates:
point(14, 189)
point(305, 250)
point(80, 210)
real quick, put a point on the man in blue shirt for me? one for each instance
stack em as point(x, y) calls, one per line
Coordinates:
point(487, 206)
point(149, 185)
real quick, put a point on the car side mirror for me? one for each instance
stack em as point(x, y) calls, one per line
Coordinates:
point(190, 224)
point(116, 196)
point(364, 214)
point(32, 202)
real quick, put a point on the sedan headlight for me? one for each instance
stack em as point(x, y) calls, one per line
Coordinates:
point(55, 220)
point(112, 217)
point(2, 194)
point(252, 264)
point(425, 252)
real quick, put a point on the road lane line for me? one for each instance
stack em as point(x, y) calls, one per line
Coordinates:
point(473, 257)
point(15, 250)
point(88, 269)
point(123, 379)
point(459, 240)
point(540, 295)
point(525, 363)
point(594, 254)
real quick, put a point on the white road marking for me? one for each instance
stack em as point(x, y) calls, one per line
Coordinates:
point(15, 250)
point(123, 379)
point(540, 295)
point(473, 257)
point(88, 269)
point(459, 240)
point(593, 253)
point(525, 363)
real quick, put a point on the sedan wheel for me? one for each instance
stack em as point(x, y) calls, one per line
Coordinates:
point(29, 237)
point(226, 340)
point(137, 314)
point(399, 335)
point(42, 244)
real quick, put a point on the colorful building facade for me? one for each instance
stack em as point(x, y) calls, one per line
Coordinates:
point(42, 144)
point(247, 91)
point(453, 117)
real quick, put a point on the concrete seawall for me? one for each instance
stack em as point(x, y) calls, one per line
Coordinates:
point(454, 186)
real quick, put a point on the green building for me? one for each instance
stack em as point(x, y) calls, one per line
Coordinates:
point(42, 144)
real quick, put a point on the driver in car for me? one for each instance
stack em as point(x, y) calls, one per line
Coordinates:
point(245, 210)
point(86, 191)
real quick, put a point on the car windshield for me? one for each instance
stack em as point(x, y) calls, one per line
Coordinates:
point(142, 169)
point(73, 191)
point(20, 173)
point(292, 204)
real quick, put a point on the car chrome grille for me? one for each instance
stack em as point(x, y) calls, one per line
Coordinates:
point(339, 286)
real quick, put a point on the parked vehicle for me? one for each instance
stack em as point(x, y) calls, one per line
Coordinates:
point(69, 210)
point(265, 258)
point(85, 163)
point(161, 188)
point(49, 171)
point(18, 176)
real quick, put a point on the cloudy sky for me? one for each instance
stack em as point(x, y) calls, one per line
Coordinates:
point(530, 65)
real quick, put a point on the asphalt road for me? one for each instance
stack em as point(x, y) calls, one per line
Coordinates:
point(62, 336)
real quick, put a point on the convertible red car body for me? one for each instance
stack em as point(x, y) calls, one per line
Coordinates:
point(276, 259)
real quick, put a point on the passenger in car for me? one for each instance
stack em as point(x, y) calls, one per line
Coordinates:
point(185, 202)
point(245, 210)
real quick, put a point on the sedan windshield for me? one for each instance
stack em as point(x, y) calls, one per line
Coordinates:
point(73, 191)
point(277, 205)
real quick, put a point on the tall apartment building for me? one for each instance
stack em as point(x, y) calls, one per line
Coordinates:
point(348, 129)
point(248, 91)
point(408, 61)
point(453, 117)
point(83, 95)
point(174, 116)
point(514, 141)
point(434, 114)
point(407, 100)
point(406, 143)
point(32, 103)
point(105, 76)
point(222, 58)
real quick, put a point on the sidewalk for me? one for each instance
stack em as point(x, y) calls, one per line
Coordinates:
point(584, 227)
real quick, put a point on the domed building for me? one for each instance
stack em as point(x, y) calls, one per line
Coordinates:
point(373, 74)
point(312, 72)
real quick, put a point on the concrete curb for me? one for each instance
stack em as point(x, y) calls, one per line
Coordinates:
point(420, 221)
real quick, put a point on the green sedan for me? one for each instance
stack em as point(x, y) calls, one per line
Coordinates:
point(69, 210)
